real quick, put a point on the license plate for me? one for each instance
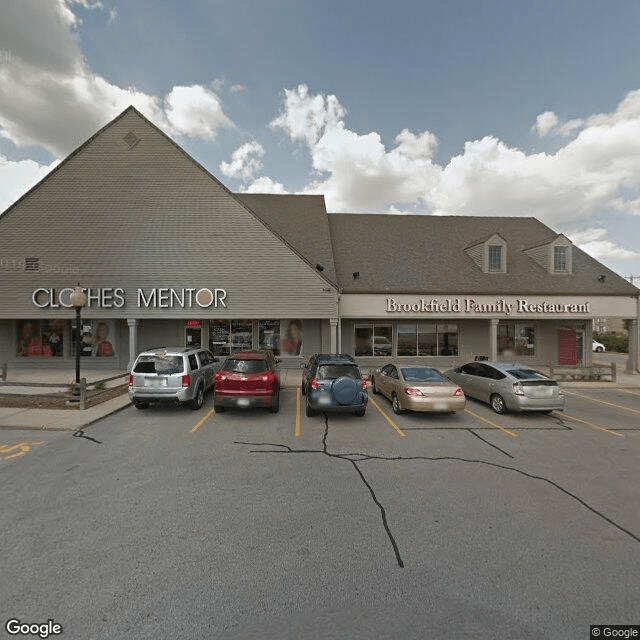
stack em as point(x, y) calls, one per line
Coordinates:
point(156, 382)
point(243, 402)
point(541, 392)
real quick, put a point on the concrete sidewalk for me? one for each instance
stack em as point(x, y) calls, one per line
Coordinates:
point(74, 419)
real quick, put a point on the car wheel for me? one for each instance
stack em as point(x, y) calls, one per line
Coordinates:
point(275, 405)
point(198, 401)
point(395, 403)
point(360, 412)
point(141, 405)
point(373, 386)
point(310, 412)
point(599, 349)
point(218, 408)
point(304, 393)
point(498, 404)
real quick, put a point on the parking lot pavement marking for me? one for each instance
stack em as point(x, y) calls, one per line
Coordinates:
point(22, 449)
point(595, 426)
point(398, 430)
point(298, 397)
point(495, 425)
point(611, 404)
point(201, 422)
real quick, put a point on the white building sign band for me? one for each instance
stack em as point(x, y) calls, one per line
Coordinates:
point(500, 306)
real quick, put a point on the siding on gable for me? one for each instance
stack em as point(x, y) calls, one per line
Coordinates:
point(540, 255)
point(112, 216)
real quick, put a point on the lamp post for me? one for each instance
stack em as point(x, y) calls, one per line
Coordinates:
point(78, 299)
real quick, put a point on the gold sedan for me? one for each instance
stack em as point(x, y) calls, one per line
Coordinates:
point(417, 389)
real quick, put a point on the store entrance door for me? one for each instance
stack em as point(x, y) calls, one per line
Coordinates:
point(193, 333)
point(567, 347)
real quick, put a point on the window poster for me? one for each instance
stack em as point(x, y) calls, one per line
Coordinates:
point(291, 338)
point(96, 338)
point(38, 338)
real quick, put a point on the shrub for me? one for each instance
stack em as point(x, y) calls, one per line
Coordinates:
point(613, 343)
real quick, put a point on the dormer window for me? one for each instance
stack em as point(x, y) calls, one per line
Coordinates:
point(560, 261)
point(495, 257)
point(554, 256)
point(560, 255)
point(490, 254)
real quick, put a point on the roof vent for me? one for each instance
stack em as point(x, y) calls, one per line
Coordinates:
point(32, 264)
point(131, 139)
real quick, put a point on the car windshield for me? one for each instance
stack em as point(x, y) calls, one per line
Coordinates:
point(419, 374)
point(165, 365)
point(527, 374)
point(331, 371)
point(237, 365)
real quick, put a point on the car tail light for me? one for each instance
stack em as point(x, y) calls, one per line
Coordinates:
point(365, 384)
point(517, 389)
point(186, 380)
point(458, 392)
point(314, 383)
point(131, 380)
point(410, 391)
point(220, 377)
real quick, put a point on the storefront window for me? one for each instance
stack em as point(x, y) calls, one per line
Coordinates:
point(229, 336)
point(241, 335)
point(219, 337)
point(427, 339)
point(96, 338)
point(269, 335)
point(407, 343)
point(40, 338)
point(283, 337)
point(516, 340)
point(373, 340)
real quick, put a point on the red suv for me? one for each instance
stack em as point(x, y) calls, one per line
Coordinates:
point(248, 379)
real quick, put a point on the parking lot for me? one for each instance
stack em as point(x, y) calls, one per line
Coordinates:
point(169, 523)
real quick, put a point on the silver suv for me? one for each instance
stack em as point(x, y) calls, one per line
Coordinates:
point(173, 374)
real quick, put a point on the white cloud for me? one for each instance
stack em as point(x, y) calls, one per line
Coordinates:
point(606, 250)
point(18, 177)
point(237, 88)
point(544, 123)
point(195, 111)
point(265, 185)
point(44, 66)
point(245, 162)
point(595, 242)
point(356, 172)
point(304, 117)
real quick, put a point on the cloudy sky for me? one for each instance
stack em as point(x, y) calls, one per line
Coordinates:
point(461, 107)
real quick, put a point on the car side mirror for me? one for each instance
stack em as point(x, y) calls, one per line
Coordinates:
point(278, 361)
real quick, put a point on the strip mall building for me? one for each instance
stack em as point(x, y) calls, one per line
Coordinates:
point(168, 255)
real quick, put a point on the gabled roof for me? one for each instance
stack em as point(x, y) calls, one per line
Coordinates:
point(426, 254)
point(301, 220)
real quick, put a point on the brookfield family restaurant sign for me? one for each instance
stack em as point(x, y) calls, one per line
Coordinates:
point(115, 298)
point(471, 306)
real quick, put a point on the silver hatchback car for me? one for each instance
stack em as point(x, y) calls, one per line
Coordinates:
point(508, 386)
point(172, 374)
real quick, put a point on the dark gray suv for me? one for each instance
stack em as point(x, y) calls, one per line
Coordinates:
point(172, 374)
point(333, 382)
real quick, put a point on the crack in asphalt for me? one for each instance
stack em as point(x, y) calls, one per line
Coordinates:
point(495, 446)
point(81, 434)
point(355, 457)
